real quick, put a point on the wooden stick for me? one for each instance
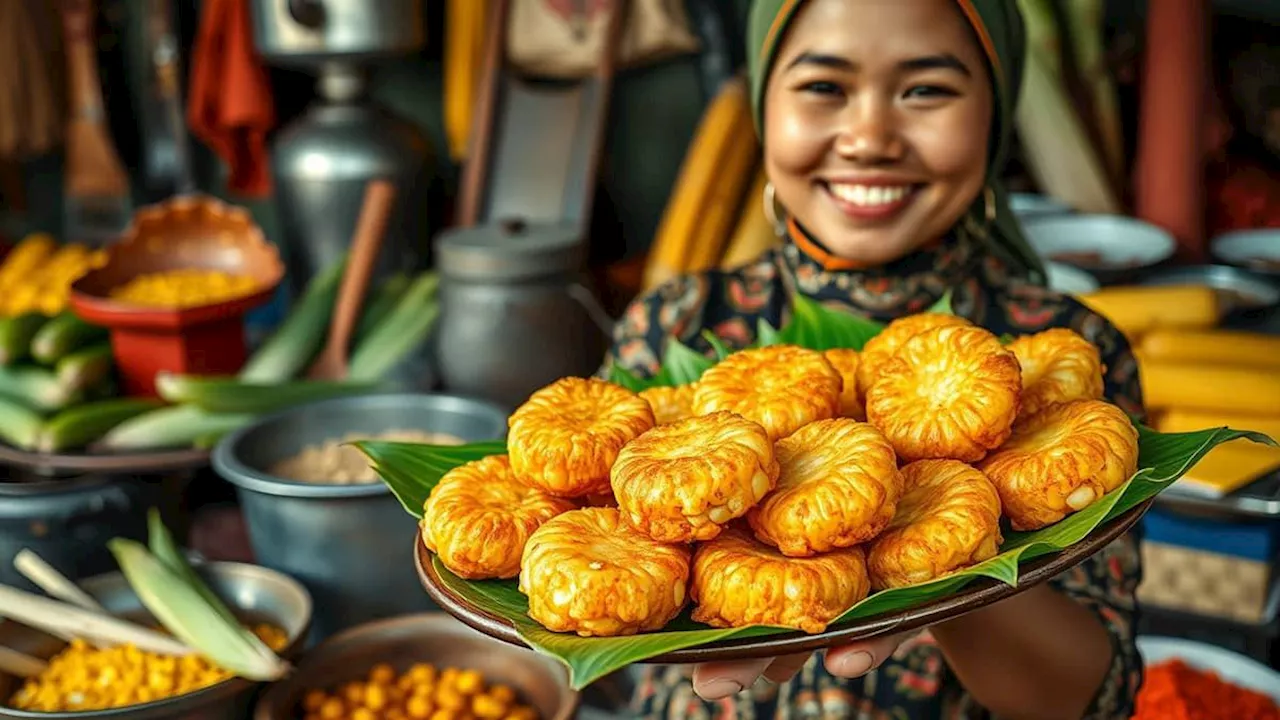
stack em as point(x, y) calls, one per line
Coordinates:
point(23, 666)
point(46, 614)
point(47, 578)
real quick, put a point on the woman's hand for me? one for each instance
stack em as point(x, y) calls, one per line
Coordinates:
point(713, 681)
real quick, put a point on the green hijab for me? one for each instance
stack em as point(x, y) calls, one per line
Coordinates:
point(998, 25)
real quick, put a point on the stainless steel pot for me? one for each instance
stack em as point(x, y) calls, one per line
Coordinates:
point(349, 544)
point(68, 522)
point(254, 593)
point(430, 638)
point(514, 314)
point(309, 32)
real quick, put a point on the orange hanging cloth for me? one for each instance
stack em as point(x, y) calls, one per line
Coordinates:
point(229, 105)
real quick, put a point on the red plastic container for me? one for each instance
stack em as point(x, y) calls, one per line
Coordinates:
point(193, 232)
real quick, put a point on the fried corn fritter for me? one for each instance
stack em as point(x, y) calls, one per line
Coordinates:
point(739, 581)
point(781, 387)
point(670, 403)
point(838, 485)
point(1057, 366)
point(845, 361)
point(479, 516)
point(588, 572)
point(948, 519)
point(884, 347)
point(683, 482)
point(1062, 460)
point(565, 437)
point(950, 393)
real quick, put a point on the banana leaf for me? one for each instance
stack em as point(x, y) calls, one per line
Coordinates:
point(412, 470)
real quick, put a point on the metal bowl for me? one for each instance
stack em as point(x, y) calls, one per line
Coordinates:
point(255, 593)
point(430, 638)
point(1110, 247)
point(1255, 250)
point(1241, 289)
point(344, 542)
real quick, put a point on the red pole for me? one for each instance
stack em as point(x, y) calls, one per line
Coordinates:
point(1169, 168)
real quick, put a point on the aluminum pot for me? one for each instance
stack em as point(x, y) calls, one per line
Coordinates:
point(255, 593)
point(427, 638)
point(346, 543)
point(68, 522)
point(309, 32)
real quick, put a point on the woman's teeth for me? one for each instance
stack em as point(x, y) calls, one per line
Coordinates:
point(869, 195)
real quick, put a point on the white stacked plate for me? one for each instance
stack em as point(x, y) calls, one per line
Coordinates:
point(1106, 246)
point(1254, 250)
point(1230, 666)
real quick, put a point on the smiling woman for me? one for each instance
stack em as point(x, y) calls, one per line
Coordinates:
point(884, 125)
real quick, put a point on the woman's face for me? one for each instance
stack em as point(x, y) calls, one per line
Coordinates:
point(876, 117)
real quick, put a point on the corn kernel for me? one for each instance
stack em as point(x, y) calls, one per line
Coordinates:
point(469, 682)
point(333, 709)
point(363, 714)
point(375, 697)
point(313, 700)
point(382, 674)
point(448, 698)
point(487, 707)
point(419, 708)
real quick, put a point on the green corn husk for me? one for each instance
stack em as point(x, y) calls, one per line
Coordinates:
point(1084, 23)
point(186, 613)
point(1056, 146)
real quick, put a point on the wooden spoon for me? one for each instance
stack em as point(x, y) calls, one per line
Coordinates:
point(379, 197)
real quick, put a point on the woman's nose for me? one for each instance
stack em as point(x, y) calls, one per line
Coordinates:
point(869, 135)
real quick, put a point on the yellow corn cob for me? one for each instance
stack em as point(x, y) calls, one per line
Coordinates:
point(722, 209)
point(1220, 347)
point(1178, 420)
point(26, 257)
point(754, 233)
point(718, 140)
point(1231, 466)
point(1137, 310)
point(1248, 391)
point(463, 63)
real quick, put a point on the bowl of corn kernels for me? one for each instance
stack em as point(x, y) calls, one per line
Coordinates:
point(427, 666)
point(82, 681)
point(174, 290)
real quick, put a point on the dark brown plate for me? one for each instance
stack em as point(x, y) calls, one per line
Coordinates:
point(148, 463)
point(979, 593)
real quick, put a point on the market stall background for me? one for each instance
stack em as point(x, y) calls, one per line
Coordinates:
point(632, 188)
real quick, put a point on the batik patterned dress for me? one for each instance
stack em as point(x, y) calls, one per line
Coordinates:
point(915, 683)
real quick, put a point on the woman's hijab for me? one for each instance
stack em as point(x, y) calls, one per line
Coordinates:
point(998, 26)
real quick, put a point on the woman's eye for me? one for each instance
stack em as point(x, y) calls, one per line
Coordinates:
point(821, 88)
point(929, 92)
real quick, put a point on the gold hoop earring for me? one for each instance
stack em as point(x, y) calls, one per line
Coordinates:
point(771, 209)
point(989, 198)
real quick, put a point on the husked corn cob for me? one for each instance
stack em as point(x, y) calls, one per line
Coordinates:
point(696, 224)
point(463, 63)
point(754, 233)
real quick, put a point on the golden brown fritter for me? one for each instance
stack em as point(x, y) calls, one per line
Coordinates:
point(740, 581)
point(565, 437)
point(670, 403)
point(1061, 460)
point(1057, 366)
point(682, 482)
point(838, 485)
point(589, 573)
point(883, 347)
point(782, 387)
point(951, 392)
point(845, 361)
point(479, 516)
point(948, 519)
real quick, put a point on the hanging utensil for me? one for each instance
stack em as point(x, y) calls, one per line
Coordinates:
point(379, 198)
point(96, 204)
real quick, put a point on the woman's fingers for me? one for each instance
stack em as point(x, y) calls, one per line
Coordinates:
point(712, 681)
point(857, 659)
point(784, 668)
point(715, 680)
